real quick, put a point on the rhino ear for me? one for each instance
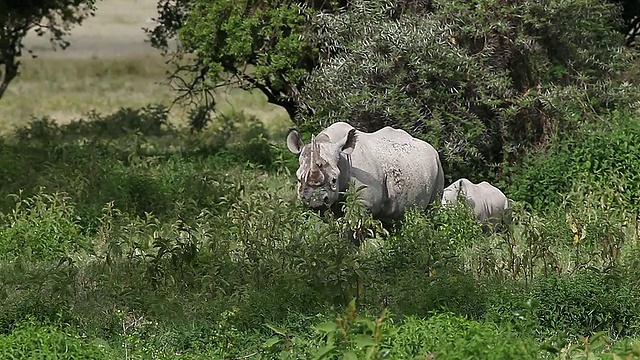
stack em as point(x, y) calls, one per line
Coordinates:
point(349, 142)
point(462, 187)
point(294, 142)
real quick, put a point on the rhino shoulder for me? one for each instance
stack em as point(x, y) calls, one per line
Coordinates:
point(394, 135)
point(465, 182)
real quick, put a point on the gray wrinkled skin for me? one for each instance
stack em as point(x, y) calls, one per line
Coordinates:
point(398, 170)
point(489, 204)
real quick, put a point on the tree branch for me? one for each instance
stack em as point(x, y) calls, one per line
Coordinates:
point(288, 104)
point(190, 90)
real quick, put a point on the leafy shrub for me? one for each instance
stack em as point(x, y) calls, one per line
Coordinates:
point(31, 340)
point(30, 301)
point(453, 337)
point(237, 138)
point(433, 240)
point(422, 264)
point(354, 336)
point(588, 302)
point(148, 121)
point(600, 159)
point(135, 159)
point(412, 292)
point(193, 252)
point(42, 227)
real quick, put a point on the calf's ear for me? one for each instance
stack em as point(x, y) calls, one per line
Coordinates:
point(294, 141)
point(348, 142)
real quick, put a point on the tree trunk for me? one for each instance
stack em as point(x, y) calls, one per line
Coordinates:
point(9, 73)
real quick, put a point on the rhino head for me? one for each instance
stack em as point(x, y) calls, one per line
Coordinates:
point(451, 193)
point(457, 191)
point(318, 174)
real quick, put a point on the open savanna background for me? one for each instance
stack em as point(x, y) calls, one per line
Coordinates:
point(109, 64)
point(130, 229)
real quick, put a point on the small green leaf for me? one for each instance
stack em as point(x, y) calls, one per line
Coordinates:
point(270, 342)
point(349, 355)
point(327, 327)
point(363, 340)
point(324, 351)
point(370, 325)
point(277, 330)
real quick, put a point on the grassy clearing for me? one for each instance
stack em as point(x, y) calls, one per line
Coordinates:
point(68, 88)
point(115, 30)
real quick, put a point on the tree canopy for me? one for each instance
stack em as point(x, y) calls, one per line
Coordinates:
point(266, 45)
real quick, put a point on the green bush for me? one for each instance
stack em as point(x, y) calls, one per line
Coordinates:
point(452, 337)
point(31, 301)
point(612, 302)
point(137, 160)
point(422, 264)
point(30, 340)
point(197, 245)
point(598, 159)
point(42, 227)
point(148, 121)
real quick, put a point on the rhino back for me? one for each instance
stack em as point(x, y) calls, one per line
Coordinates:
point(490, 201)
point(493, 195)
point(407, 171)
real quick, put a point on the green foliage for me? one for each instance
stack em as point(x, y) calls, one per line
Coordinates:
point(31, 301)
point(134, 158)
point(18, 18)
point(217, 31)
point(482, 81)
point(354, 337)
point(255, 45)
point(239, 138)
point(265, 45)
point(453, 337)
point(32, 340)
point(612, 306)
point(42, 227)
point(598, 160)
point(143, 126)
point(599, 346)
point(422, 263)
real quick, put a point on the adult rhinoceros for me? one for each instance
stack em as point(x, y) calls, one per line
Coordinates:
point(398, 170)
point(488, 203)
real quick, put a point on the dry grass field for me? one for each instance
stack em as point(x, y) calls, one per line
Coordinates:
point(108, 66)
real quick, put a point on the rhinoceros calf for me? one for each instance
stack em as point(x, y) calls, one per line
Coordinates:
point(398, 170)
point(488, 203)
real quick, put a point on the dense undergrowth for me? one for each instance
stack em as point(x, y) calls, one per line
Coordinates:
point(122, 237)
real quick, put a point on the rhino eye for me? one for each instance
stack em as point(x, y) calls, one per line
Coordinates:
point(333, 180)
